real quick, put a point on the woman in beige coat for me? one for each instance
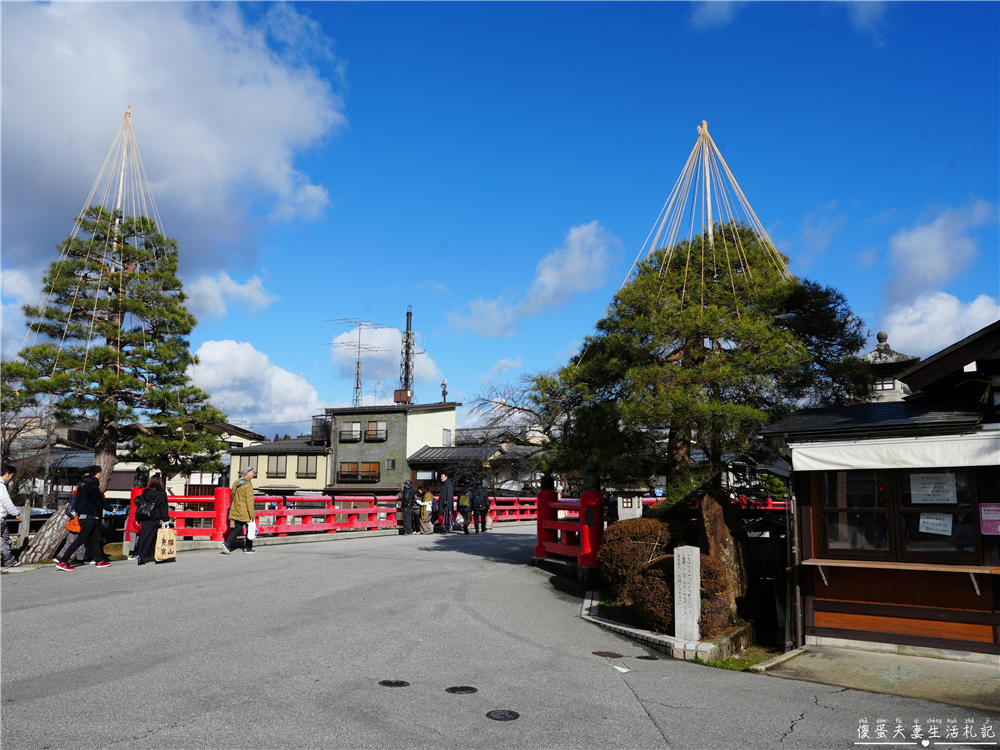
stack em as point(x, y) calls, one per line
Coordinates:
point(241, 512)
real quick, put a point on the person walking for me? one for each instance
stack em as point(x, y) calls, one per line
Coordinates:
point(480, 508)
point(7, 508)
point(154, 495)
point(425, 499)
point(241, 512)
point(90, 505)
point(446, 503)
point(465, 506)
point(408, 500)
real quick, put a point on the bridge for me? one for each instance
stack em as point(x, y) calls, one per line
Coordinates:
point(287, 649)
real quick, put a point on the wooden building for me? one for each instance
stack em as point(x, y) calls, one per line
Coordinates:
point(898, 511)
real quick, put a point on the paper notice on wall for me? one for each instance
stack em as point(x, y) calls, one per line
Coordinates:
point(933, 489)
point(989, 518)
point(936, 523)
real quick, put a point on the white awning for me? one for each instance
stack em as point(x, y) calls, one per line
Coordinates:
point(976, 449)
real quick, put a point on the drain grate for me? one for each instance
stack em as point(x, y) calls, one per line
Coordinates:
point(607, 654)
point(503, 715)
point(393, 683)
point(461, 690)
point(648, 658)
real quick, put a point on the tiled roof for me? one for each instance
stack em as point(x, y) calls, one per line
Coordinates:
point(898, 417)
point(300, 446)
point(428, 455)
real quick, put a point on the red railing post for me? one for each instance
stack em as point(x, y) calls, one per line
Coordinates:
point(280, 521)
point(591, 527)
point(223, 499)
point(545, 514)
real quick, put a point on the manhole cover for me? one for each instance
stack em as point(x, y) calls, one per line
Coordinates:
point(393, 683)
point(461, 690)
point(607, 654)
point(649, 658)
point(503, 715)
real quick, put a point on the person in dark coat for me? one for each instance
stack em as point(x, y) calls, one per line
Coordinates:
point(409, 499)
point(446, 503)
point(146, 549)
point(90, 507)
point(480, 508)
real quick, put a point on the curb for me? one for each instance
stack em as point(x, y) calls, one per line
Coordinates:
point(766, 665)
point(718, 649)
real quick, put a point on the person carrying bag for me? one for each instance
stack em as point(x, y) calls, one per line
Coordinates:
point(152, 510)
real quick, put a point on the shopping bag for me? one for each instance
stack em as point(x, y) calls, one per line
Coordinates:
point(252, 530)
point(459, 519)
point(489, 521)
point(73, 526)
point(166, 544)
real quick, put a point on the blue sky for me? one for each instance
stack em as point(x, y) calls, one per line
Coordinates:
point(498, 167)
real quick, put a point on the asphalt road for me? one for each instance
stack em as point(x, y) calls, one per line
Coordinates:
point(285, 649)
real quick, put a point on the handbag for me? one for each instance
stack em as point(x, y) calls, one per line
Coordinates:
point(252, 530)
point(166, 544)
point(73, 526)
point(144, 508)
point(70, 508)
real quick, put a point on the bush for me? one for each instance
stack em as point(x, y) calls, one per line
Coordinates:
point(627, 549)
point(653, 602)
point(715, 615)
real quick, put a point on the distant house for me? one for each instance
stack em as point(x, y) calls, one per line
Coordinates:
point(352, 450)
point(897, 508)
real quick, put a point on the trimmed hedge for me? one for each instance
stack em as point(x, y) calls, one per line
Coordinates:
point(628, 548)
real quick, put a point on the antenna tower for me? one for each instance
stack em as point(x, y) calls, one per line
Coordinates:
point(361, 324)
point(405, 393)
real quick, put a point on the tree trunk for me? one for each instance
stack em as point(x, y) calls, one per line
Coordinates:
point(717, 521)
point(48, 539)
point(106, 446)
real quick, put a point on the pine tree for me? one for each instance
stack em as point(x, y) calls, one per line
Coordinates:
point(114, 347)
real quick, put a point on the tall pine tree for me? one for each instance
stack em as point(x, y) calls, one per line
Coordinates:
point(113, 347)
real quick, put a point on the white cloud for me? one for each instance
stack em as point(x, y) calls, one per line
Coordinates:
point(210, 297)
point(937, 320)
point(580, 265)
point(714, 13)
point(16, 289)
point(499, 368)
point(866, 15)
point(931, 254)
point(381, 360)
point(245, 384)
point(817, 232)
point(220, 109)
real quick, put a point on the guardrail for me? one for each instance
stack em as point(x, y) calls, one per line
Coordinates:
point(577, 534)
point(205, 517)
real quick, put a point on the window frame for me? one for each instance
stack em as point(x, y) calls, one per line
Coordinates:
point(896, 516)
point(249, 462)
point(310, 463)
point(280, 463)
point(377, 434)
point(350, 432)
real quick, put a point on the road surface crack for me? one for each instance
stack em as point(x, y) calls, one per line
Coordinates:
point(791, 727)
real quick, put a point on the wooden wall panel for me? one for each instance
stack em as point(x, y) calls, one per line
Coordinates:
point(961, 631)
point(907, 588)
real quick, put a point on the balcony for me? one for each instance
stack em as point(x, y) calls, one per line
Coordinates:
point(358, 476)
point(376, 436)
point(350, 436)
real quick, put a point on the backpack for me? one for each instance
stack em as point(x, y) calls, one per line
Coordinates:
point(463, 500)
point(144, 508)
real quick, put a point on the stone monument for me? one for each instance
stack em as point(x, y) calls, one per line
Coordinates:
point(687, 592)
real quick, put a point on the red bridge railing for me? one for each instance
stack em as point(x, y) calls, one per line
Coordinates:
point(577, 534)
point(206, 517)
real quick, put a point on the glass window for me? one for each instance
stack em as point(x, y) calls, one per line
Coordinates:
point(446, 438)
point(276, 467)
point(855, 489)
point(306, 468)
point(912, 514)
point(248, 462)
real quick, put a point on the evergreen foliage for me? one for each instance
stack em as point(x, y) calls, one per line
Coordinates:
point(114, 347)
point(699, 350)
